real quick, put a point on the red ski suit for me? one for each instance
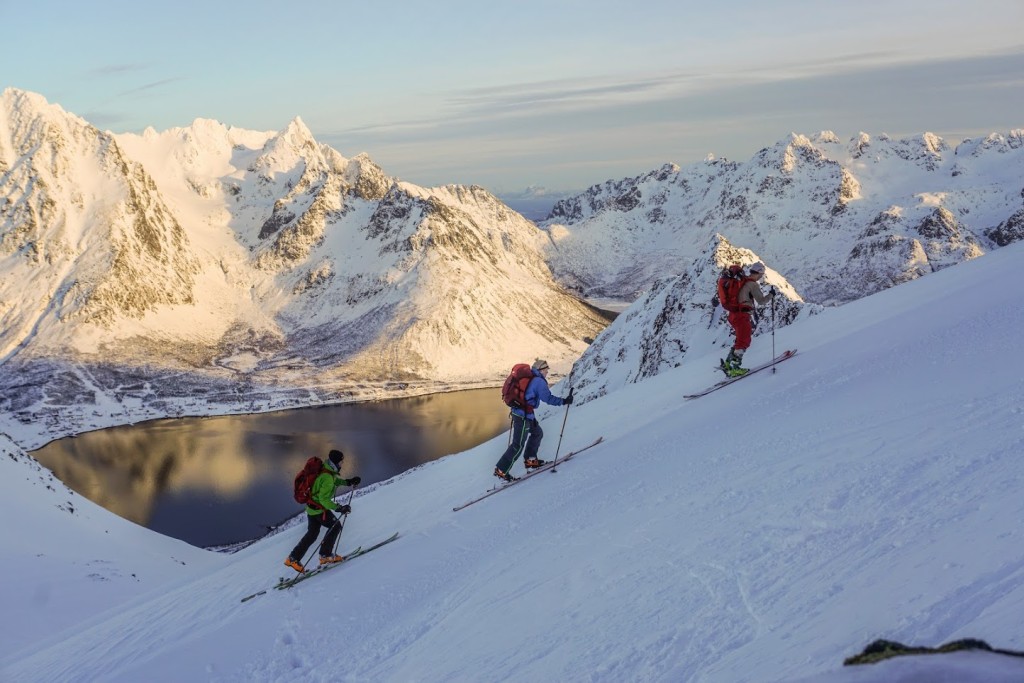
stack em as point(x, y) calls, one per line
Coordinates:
point(740, 320)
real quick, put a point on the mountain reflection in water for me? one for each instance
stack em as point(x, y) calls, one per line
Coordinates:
point(219, 480)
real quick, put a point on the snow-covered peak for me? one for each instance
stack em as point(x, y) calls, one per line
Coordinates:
point(28, 105)
point(291, 147)
point(826, 137)
point(995, 142)
point(367, 178)
point(812, 205)
point(859, 143)
point(297, 134)
point(787, 155)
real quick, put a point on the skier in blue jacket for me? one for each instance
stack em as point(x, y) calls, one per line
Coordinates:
point(526, 431)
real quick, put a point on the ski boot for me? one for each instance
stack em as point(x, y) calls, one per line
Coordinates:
point(736, 371)
point(294, 564)
point(731, 365)
point(503, 475)
point(330, 559)
point(533, 463)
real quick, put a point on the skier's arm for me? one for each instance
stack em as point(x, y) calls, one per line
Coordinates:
point(543, 393)
point(754, 290)
point(323, 492)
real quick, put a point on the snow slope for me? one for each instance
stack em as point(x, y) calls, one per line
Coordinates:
point(868, 489)
point(66, 558)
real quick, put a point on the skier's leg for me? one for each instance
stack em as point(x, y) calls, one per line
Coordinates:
point(533, 443)
point(515, 449)
point(743, 333)
point(333, 529)
point(312, 531)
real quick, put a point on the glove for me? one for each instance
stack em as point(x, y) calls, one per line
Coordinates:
point(354, 481)
point(568, 399)
point(344, 509)
point(771, 292)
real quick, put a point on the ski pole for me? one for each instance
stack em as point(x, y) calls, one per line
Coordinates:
point(559, 446)
point(773, 328)
point(566, 417)
point(343, 518)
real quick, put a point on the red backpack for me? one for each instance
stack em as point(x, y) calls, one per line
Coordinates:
point(729, 284)
point(304, 481)
point(513, 391)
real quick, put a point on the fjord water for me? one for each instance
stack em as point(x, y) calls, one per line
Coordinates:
point(220, 480)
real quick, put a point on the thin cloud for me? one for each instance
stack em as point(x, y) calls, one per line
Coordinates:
point(684, 96)
point(528, 99)
point(558, 92)
point(114, 70)
point(149, 86)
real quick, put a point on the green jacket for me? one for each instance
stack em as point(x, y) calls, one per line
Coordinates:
point(324, 486)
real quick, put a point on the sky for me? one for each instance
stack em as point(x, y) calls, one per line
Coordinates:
point(869, 488)
point(562, 94)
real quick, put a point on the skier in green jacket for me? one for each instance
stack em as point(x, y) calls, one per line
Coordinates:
point(320, 513)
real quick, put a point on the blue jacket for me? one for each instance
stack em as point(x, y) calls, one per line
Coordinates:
point(537, 391)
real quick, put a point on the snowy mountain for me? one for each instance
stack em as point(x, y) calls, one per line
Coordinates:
point(210, 268)
point(838, 220)
point(869, 489)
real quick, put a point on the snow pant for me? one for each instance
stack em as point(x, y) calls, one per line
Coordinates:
point(325, 519)
point(740, 322)
point(526, 436)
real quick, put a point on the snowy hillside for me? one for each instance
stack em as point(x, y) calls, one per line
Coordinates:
point(676, 321)
point(68, 559)
point(839, 220)
point(868, 489)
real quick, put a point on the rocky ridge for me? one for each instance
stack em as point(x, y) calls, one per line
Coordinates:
point(840, 220)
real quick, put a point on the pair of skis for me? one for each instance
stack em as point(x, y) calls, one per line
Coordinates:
point(283, 583)
point(785, 355)
point(546, 467)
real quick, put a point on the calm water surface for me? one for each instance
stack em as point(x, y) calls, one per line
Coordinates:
point(219, 480)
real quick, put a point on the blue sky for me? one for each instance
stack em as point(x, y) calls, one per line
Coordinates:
point(563, 94)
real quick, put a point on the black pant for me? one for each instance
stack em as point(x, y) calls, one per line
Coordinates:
point(313, 530)
point(526, 436)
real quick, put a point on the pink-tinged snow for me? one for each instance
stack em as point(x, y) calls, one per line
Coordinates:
point(871, 488)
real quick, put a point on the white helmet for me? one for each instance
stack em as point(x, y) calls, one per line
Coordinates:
point(757, 267)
